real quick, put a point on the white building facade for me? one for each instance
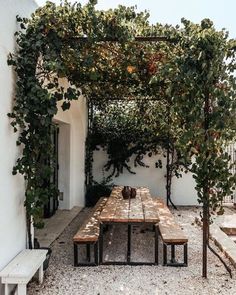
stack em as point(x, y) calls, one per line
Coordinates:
point(71, 144)
point(12, 211)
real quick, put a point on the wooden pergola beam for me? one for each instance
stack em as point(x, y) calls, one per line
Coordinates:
point(137, 38)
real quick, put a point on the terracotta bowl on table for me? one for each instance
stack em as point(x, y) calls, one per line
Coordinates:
point(128, 192)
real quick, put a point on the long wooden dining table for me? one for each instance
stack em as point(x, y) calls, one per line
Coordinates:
point(141, 210)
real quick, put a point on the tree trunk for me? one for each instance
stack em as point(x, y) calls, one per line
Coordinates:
point(28, 223)
point(205, 229)
point(169, 163)
point(169, 160)
point(167, 176)
point(205, 239)
point(89, 152)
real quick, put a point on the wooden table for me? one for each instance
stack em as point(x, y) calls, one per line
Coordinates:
point(140, 210)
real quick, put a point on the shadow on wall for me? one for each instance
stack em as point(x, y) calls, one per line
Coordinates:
point(183, 192)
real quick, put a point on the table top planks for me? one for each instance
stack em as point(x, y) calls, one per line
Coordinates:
point(109, 210)
point(137, 210)
point(122, 211)
point(150, 208)
point(136, 213)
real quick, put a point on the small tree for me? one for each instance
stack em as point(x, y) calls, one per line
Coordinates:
point(208, 108)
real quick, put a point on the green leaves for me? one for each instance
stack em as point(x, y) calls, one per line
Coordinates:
point(66, 105)
point(192, 85)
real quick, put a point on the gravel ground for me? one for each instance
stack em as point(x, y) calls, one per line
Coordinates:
point(62, 278)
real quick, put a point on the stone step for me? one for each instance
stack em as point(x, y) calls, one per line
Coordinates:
point(233, 238)
point(228, 224)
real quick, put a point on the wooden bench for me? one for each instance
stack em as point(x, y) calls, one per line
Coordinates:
point(22, 268)
point(171, 234)
point(88, 234)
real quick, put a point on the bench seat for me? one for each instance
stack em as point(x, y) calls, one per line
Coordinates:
point(22, 268)
point(88, 233)
point(171, 234)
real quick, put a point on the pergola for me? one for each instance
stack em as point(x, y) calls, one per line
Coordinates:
point(117, 51)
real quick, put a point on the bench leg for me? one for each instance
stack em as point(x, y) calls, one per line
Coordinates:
point(6, 289)
point(75, 254)
point(101, 244)
point(40, 274)
point(172, 261)
point(96, 253)
point(88, 252)
point(21, 289)
point(186, 254)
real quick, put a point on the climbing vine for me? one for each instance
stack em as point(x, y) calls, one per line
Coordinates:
point(129, 130)
point(180, 80)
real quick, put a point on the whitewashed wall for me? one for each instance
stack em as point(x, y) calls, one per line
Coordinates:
point(73, 130)
point(183, 192)
point(12, 212)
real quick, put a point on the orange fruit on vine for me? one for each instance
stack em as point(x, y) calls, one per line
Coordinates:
point(131, 69)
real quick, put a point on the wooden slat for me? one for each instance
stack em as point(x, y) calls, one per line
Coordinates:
point(150, 209)
point(122, 211)
point(170, 231)
point(163, 210)
point(119, 210)
point(136, 213)
point(89, 231)
point(136, 38)
point(109, 210)
point(145, 193)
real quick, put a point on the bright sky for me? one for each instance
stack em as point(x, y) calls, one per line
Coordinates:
point(221, 12)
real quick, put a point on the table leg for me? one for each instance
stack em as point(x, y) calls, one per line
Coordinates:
point(88, 254)
point(75, 254)
point(156, 244)
point(164, 254)
point(96, 253)
point(101, 244)
point(129, 243)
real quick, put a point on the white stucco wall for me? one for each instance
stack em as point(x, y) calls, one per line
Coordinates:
point(12, 212)
point(72, 136)
point(183, 192)
point(73, 131)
